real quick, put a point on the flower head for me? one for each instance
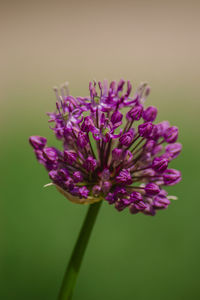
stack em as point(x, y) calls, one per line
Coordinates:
point(106, 155)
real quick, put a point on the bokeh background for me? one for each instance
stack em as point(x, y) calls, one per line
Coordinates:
point(45, 44)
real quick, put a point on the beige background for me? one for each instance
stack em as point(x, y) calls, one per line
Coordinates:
point(43, 44)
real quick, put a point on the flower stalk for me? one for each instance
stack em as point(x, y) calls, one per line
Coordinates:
point(72, 271)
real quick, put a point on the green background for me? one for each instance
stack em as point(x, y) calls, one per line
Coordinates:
point(129, 256)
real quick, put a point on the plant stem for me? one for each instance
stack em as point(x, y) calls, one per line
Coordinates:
point(72, 271)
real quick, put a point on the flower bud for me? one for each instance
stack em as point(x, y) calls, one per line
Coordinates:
point(162, 127)
point(38, 142)
point(137, 207)
point(171, 176)
point(87, 125)
point(83, 191)
point(96, 190)
point(105, 175)
point(133, 209)
point(127, 138)
point(149, 210)
point(90, 163)
point(171, 134)
point(117, 154)
point(77, 176)
point(54, 176)
point(69, 183)
point(152, 189)
point(149, 146)
point(70, 156)
point(110, 198)
point(106, 185)
point(137, 203)
point(124, 177)
point(50, 154)
point(161, 202)
point(63, 173)
point(160, 164)
point(135, 113)
point(145, 129)
point(163, 193)
point(136, 197)
point(40, 157)
point(126, 201)
point(150, 114)
point(173, 149)
point(82, 139)
point(116, 117)
point(119, 205)
point(120, 191)
point(74, 190)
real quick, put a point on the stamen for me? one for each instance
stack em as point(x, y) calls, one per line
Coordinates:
point(66, 87)
point(56, 92)
point(137, 145)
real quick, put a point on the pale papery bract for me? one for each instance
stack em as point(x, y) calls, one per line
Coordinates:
point(129, 167)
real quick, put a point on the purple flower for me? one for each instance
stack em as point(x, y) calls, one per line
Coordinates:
point(152, 189)
point(145, 129)
point(173, 150)
point(96, 190)
point(135, 197)
point(87, 125)
point(105, 175)
point(116, 118)
point(171, 134)
point(127, 138)
point(106, 154)
point(84, 192)
point(137, 203)
point(77, 176)
point(117, 154)
point(119, 205)
point(90, 163)
point(137, 207)
point(110, 198)
point(54, 176)
point(38, 142)
point(135, 113)
point(149, 114)
point(63, 173)
point(70, 156)
point(160, 164)
point(171, 177)
point(106, 185)
point(150, 145)
point(50, 154)
point(161, 202)
point(124, 177)
point(82, 139)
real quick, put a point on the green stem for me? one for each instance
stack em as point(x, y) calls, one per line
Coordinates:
point(72, 271)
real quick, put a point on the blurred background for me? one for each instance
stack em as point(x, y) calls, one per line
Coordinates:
point(45, 44)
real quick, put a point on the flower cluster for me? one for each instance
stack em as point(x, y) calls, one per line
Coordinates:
point(106, 154)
